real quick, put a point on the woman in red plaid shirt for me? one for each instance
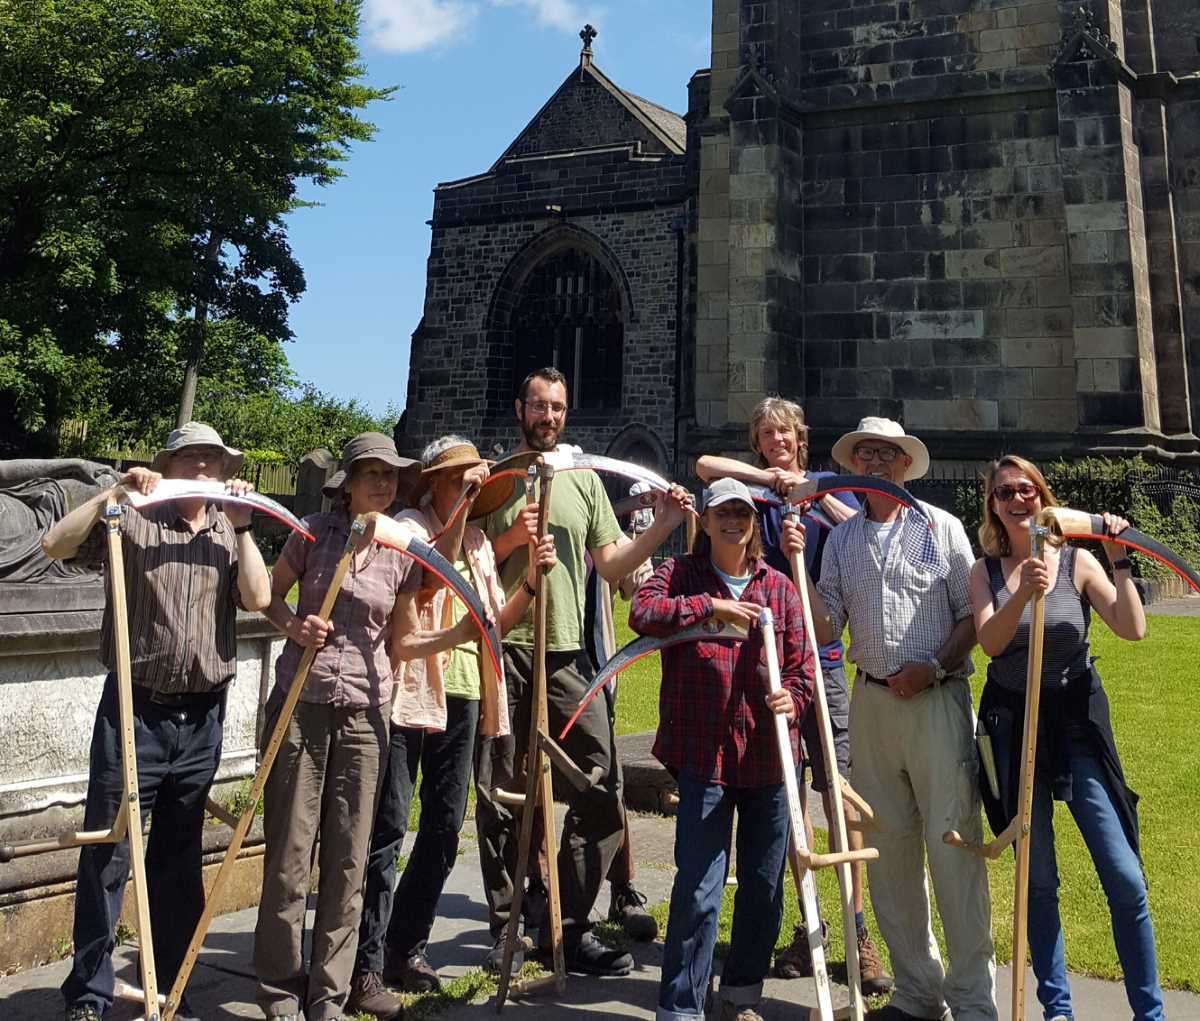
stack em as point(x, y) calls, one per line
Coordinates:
point(716, 735)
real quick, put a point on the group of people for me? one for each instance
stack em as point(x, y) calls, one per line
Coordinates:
point(399, 688)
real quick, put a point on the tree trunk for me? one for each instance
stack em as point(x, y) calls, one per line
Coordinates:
point(199, 324)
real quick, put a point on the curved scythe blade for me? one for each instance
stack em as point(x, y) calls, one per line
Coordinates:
point(215, 492)
point(570, 460)
point(389, 532)
point(711, 630)
point(1081, 525)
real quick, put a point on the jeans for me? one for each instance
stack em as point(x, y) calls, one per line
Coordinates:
point(402, 920)
point(178, 749)
point(1120, 873)
point(704, 823)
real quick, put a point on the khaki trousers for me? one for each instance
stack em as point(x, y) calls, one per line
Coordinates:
point(323, 788)
point(914, 761)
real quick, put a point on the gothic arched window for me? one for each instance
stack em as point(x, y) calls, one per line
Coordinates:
point(568, 314)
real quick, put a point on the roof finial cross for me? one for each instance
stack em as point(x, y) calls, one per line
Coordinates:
point(587, 35)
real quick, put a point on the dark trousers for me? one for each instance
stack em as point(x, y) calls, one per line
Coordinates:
point(178, 749)
point(595, 819)
point(445, 764)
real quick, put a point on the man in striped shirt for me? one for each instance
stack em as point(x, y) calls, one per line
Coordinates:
point(188, 566)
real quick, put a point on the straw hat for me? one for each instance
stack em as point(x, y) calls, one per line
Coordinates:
point(499, 488)
point(197, 434)
point(461, 455)
point(375, 445)
point(871, 428)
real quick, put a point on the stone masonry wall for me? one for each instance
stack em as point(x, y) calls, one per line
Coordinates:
point(490, 232)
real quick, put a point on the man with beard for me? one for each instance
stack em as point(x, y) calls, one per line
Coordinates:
point(582, 522)
point(902, 584)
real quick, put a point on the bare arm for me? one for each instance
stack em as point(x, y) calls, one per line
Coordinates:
point(996, 628)
point(307, 631)
point(614, 561)
point(411, 641)
point(254, 580)
point(792, 542)
point(65, 536)
point(1119, 605)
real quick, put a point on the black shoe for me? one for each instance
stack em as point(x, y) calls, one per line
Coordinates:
point(890, 1013)
point(628, 909)
point(84, 1012)
point(495, 957)
point(592, 957)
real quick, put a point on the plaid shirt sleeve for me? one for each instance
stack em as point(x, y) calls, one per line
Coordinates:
point(830, 585)
point(658, 610)
point(797, 673)
point(960, 556)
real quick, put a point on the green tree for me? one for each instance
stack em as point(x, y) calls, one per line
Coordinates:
point(152, 148)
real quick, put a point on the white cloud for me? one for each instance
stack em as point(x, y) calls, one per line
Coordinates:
point(565, 15)
point(407, 26)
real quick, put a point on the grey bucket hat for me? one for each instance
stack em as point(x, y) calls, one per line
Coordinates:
point(197, 434)
point(378, 446)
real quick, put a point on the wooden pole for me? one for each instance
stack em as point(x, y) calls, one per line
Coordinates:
point(838, 839)
point(132, 808)
point(225, 872)
point(539, 795)
point(805, 886)
point(1033, 690)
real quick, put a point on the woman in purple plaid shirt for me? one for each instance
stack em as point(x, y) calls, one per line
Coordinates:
point(716, 735)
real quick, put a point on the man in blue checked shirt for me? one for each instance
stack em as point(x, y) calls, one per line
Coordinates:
point(902, 585)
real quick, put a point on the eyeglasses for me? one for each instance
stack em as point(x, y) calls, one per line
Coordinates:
point(1025, 490)
point(885, 454)
point(546, 407)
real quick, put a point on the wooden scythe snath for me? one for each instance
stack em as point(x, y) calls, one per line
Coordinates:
point(225, 872)
point(128, 822)
point(539, 794)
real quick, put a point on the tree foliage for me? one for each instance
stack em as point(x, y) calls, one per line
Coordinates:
point(152, 149)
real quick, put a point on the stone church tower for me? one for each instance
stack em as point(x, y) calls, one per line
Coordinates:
point(981, 217)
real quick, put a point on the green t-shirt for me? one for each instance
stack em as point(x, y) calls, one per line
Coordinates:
point(462, 675)
point(581, 519)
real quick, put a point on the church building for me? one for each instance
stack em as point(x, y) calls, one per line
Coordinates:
point(979, 217)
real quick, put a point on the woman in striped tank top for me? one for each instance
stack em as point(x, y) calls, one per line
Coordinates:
point(1077, 760)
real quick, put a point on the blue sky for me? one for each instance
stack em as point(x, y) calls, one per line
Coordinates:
point(471, 73)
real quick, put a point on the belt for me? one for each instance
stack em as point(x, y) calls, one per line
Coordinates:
point(883, 682)
point(180, 701)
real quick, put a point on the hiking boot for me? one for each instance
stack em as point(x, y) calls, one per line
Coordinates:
point(412, 972)
point(495, 957)
point(739, 1012)
point(795, 960)
point(593, 958)
point(873, 980)
point(368, 996)
point(83, 1013)
point(628, 909)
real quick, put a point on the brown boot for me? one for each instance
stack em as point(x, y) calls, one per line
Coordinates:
point(795, 960)
point(368, 996)
point(873, 980)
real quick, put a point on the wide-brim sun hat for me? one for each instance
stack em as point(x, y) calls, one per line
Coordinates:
point(871, 428)
point(461, 455)
point(502, 483)
point(377, 446)
point(197, 434)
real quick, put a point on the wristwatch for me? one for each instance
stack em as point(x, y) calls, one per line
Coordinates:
point(242, 529)
point(939, 671)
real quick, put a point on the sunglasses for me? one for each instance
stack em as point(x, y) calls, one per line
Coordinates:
point(1025, 490)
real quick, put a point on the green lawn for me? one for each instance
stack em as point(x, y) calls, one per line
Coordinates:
point(1154, 717)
